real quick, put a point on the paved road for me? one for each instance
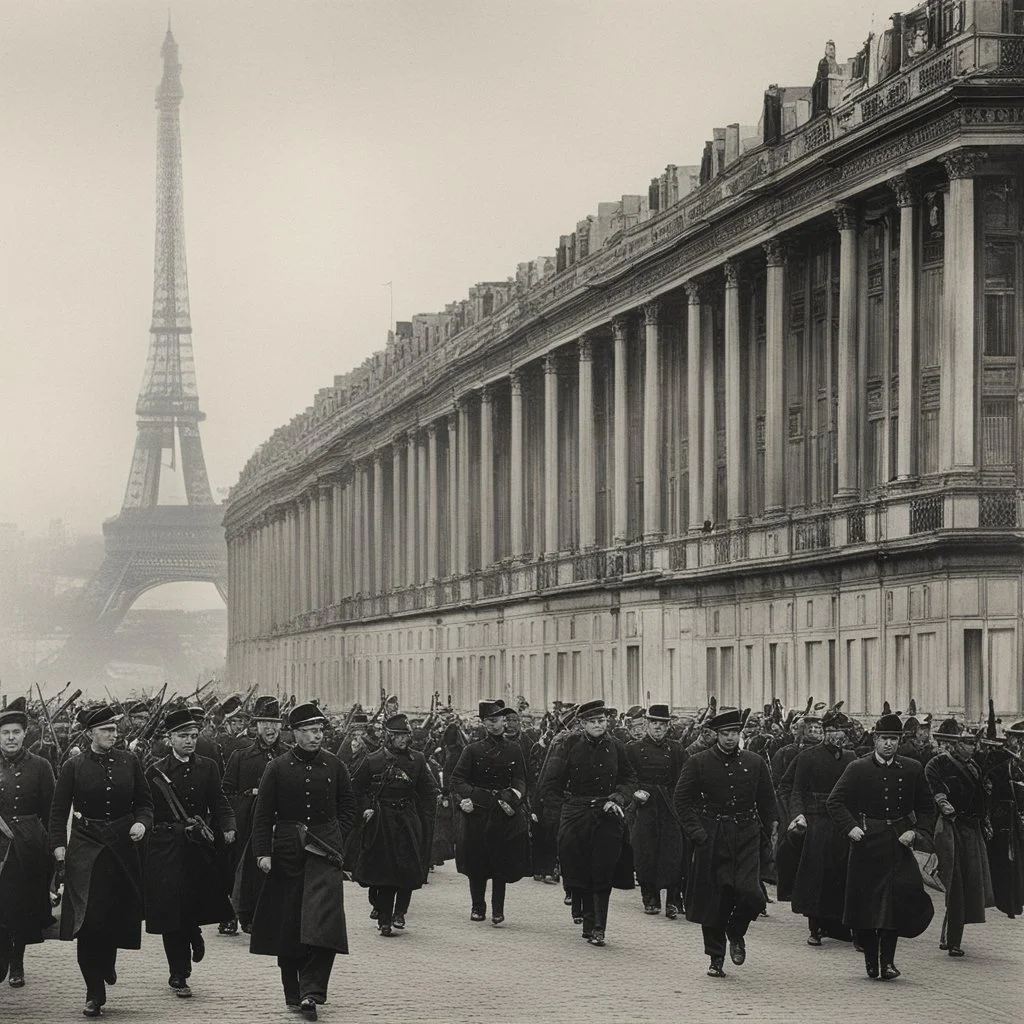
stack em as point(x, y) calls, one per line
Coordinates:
point(537, 969)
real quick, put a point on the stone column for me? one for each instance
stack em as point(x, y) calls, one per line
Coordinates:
point(303, 554)
point(958, 362)
point(709, 424)
point(775, 368)
point(486, 477)
point(906, 199)
point(432, 536)
point(378, 584)
point(694, 399)
point(324, 554)
point(735, 453)
point(358, 584)
point(550, 454)
point(652, 425)
point(464, 495)
point(453, 494)
point(411, 510)
point(849, 392)
point(314, 549)
point(516, 465)
point(620, 446)
point(588, 486)
point(367, 521)
point(424, 539)
point(337, 548)
point(397, 513)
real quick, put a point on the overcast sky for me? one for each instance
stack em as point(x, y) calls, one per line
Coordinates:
point(328, 148)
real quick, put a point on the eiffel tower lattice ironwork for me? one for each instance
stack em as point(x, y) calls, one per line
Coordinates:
point(147, 543)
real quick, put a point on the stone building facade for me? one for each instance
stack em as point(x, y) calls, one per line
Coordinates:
point(764, 440)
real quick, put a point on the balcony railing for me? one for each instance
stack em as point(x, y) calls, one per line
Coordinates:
point(898, 518)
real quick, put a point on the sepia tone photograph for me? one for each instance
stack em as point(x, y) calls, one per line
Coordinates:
point(511, 510)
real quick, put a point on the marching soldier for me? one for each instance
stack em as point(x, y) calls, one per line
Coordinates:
point(1006, 811)
point(654, 832)
point(822, 848)
point(591, 773)
point(882, 803)
point(961, 827)
point(26, 793)
point(304, 808)
point(397, 796)
point(186, 885)
point(807, 735)
point(492, 834)
point(242, 775)
point(725, 802)
point(113, 811)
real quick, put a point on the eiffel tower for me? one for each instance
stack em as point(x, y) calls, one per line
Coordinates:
point(148, 544)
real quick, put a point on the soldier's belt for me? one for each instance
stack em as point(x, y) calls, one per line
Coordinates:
point(867, 823)
point(739, 817)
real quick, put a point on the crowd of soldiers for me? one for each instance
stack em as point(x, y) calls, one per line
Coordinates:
point(250, 813)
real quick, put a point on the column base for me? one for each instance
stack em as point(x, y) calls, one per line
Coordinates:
point(845, 496)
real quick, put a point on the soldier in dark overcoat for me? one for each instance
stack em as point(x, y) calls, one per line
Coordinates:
point(592, 775)
point(819, 884)
point(241, 783)
point(443, 840)
point(655, 835)
point(304, 809)
point(807, 733)
point(1004, 771)
point(397, 797)
point(186, 885)
point(957, 785)
point(26, 793)
point(726, 804)
point(882, 803)
point(492, 839)
point(113, 811)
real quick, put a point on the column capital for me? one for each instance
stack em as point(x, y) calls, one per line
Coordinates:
point(693, 291)
point(586, 348)
point(651, 310)
point(732, 274)
point(515, 382)
point(432, 430)
point(963, 163)
point(846, 216)
point(908, 193)
point(620, 328)
point(410, 439)
point(550, 362)
point(775, 252)
point(452, 418)
point(487, 394)
point(377, 457)
point(398, 440)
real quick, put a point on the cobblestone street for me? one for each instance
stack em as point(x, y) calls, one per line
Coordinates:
point(536, 968)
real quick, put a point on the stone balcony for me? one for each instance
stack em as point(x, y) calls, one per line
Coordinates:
point(914, 519)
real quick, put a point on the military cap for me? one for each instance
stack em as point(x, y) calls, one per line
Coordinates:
point(101, 714)
point(267, 709)
point(493, 709)
point(359, 719)
point(659, 713)
point(398, 724)
point(889, 725)
point(179, 719)
point(732, 718)
point(635, 711)
point(592, 709)
point(231, 706)
point(15, 713)
point(953, 731)
point(198, 713)
point(306, 714)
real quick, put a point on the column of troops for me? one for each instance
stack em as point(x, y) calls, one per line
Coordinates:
point(178, 815)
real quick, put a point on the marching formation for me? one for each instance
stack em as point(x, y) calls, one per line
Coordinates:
point(251, 814)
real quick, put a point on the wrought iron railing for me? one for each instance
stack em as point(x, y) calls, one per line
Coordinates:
point(927, 514)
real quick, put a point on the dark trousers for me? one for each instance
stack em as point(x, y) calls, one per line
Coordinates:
point(478, 895)
point(952, 930)
point(731, 923)
point(879, 945)
point(306, 976)
point(178, 950)
point(390, 900)
point(12, 951)
point(97, 959)
point(595, 909)
point(652, 897)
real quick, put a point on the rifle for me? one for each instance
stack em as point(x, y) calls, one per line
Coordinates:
point(346, 725)
point(312, 843)
point(46, 718)
point(194, 823)
point(380, 708)
point(435, 702)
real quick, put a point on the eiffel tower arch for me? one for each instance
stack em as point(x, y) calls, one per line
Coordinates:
point(148, 544)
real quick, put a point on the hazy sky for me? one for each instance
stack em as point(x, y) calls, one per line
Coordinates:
point(328, 148)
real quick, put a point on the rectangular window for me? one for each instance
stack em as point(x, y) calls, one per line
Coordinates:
point(728, 676)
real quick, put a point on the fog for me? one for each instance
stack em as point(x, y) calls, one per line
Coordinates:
point(328, 148)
